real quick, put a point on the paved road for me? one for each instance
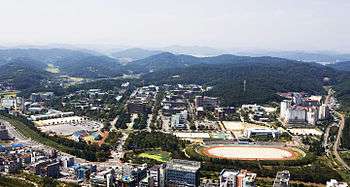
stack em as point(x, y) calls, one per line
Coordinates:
point(337, 141)
point(20, 138)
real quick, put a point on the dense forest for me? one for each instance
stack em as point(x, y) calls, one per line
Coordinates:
point(23, 73)
point(143, 140)
point(263, 80)
point(342, 66)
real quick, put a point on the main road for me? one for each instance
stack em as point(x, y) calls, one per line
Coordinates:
point(337, 141)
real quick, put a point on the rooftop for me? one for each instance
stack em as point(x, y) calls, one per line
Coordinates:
point(183, 165)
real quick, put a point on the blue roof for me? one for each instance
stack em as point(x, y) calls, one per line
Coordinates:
point(76, 166)
point(95, 134)
point(2, 148)
point(80, 133)
point(16, 145)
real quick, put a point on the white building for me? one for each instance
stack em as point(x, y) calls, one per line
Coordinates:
point(228, 178)
point(295, 115)
point(9, 103)
point(292, 114)
point(179, 120)
point(335, 183)
point(233, 178)
point(261, 132)
point(323, 112)
point(284, 106)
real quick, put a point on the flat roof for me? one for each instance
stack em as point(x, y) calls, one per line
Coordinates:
point(183, 165)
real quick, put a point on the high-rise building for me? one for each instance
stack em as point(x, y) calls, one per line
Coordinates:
point(154, 176)
point(182, 173)
point(53, 170)
point(323, 112)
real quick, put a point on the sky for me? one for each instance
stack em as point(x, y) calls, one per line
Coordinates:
point(224, 24)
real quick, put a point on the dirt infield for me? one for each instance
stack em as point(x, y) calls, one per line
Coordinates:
point(250, 152)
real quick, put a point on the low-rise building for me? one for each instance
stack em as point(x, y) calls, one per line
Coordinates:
point(237, 178)
point(335, 183)
point(179, 120)
point(282, 179)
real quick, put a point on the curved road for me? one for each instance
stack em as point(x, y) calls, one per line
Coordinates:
point(337, 141)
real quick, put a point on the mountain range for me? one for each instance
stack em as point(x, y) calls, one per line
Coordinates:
point(264, 76)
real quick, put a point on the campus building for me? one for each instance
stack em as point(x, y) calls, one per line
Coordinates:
point(282, 179)
point(182, 173)
point(236, 178)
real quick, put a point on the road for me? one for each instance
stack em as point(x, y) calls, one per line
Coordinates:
point(337, 141)
point(20, 138)
point(340, 130)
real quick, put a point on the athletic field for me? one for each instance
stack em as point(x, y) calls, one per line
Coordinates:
point(250, 152)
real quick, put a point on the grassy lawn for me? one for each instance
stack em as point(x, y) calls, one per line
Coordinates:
point(160, 156)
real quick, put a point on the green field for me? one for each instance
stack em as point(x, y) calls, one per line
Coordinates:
point(160, 156)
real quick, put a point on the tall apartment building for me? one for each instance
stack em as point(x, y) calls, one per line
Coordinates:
point(294, 114)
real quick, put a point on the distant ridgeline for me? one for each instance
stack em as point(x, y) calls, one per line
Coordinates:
point(27, 69)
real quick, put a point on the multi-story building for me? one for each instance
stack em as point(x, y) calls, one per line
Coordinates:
point(323, 112)
point(208, 103)
point(262, 132)
point(228, 178)
point(154, 176)
point(103, 178)
point(303, 114)
point(282, 179)
point(182, 173)
point(67, 161)
point(4, 134)
point(41, 96)
point(236, 178)
point(303, 109)
point(53, 170)
point(335, 183)
point(179, 120)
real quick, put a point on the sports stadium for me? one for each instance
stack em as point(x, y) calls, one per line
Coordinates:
point(250, 152)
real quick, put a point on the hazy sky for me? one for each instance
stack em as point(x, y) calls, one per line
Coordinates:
point(263, 24)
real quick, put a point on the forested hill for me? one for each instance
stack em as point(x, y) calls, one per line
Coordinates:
point(263, 79)
point(43, 55)
point(170, 61)
point(342, 66)
point(23, 73)
point(64, 61)
point(90, 67)
point(342, 89)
